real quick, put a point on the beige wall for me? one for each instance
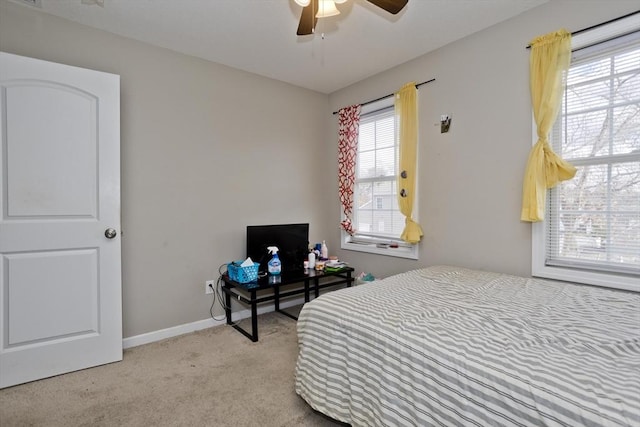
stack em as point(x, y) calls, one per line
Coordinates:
point(199, 144)
point(470, 179)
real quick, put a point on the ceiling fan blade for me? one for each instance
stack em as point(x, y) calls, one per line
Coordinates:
point(308, 19)
point(391, 6)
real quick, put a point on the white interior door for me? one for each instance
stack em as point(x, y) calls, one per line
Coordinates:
point(60, 275)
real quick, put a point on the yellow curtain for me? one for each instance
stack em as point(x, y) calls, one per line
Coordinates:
point(407, 119)
point(549, 63)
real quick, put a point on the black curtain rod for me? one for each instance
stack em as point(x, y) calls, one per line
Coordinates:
point(599, 25)
point(391, 94)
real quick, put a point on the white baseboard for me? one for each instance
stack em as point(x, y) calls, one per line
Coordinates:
point(174, 331)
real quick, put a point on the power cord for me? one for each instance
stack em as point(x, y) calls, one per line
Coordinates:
point(218, 294)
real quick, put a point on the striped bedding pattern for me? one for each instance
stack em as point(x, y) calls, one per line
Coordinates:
point(446, 346)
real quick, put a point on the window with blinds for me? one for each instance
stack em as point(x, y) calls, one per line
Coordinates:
point(593, 220)
point(376, 214)
point(376, 209)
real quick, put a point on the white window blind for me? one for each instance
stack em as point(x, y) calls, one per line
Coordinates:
point(593, 220)
point(376, 209)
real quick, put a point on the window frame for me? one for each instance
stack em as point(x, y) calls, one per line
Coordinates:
point(540, 230)
point(377, 244)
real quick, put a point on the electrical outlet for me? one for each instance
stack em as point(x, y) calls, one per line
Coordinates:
point(208, 286)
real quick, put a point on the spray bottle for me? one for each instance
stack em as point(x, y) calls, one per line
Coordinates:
point(274, 267)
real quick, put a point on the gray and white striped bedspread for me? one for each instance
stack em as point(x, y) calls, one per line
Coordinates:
point(449, 346)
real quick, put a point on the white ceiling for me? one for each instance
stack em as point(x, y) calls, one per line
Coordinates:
point(259, 36)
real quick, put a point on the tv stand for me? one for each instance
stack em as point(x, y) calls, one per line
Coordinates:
point(247, 293)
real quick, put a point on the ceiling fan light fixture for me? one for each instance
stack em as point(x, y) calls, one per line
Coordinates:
point(327, 8)
point(322, 8)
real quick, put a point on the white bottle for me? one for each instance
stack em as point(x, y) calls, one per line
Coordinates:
point(312, 260)
point(324, 251)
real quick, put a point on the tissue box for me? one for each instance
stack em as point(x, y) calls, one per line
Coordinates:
point(242, 274)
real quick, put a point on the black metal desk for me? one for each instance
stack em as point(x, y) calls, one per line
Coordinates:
point(310, 278)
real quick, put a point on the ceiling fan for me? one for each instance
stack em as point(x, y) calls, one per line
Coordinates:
point(314, 9)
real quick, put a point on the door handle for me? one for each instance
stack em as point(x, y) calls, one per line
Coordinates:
point(110, 233)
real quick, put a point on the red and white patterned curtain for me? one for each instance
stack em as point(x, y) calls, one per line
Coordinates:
point(348, 124)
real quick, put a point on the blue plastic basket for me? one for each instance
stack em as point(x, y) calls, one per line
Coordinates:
point(242, 274)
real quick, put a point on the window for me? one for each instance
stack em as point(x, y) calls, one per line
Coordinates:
point(592, 229)
point(376, 215)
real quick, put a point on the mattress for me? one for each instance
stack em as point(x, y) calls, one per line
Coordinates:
point(451, 346)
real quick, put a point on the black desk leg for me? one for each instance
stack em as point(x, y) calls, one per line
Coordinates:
point(227, 305)
point(306, 290)
point(253, 336)
point(349, 279)
point(254, 316)
point(316, 284)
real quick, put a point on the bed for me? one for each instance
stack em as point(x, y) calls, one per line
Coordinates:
point(451, 346)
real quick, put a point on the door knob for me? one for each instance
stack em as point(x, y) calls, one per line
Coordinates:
point(110, 233)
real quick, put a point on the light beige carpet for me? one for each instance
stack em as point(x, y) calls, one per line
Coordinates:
point(214, 377)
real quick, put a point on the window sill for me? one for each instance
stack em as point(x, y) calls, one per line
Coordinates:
point(400, 252)
point(608, 280)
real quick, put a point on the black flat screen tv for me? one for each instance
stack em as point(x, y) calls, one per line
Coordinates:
point(292, 241)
